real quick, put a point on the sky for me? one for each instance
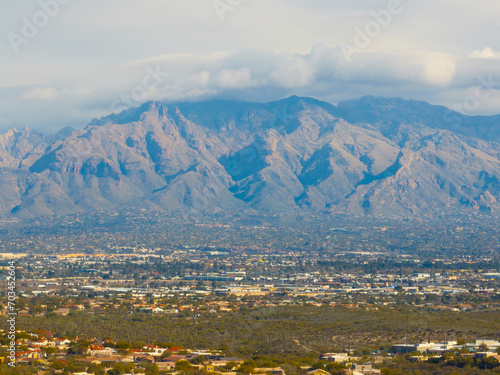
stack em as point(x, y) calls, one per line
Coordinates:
point(65, 62)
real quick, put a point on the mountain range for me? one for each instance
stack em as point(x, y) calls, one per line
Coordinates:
point(371, 156)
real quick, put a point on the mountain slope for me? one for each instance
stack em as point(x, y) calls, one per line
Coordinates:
point(373, 156)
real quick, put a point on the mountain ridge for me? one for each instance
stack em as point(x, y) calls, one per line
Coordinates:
point(370, 156)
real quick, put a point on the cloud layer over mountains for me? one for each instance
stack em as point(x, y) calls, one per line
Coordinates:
point(94, 58)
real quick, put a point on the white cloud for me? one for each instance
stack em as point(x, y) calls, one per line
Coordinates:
point(234, 78)
point(41, 93)
point(292, 71)
point(202, 79)
point(485, 53)
point(440, 71)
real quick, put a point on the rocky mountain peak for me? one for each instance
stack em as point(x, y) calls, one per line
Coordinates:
point(375, 156)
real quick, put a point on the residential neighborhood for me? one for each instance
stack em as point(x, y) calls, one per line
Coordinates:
point(40, 349)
